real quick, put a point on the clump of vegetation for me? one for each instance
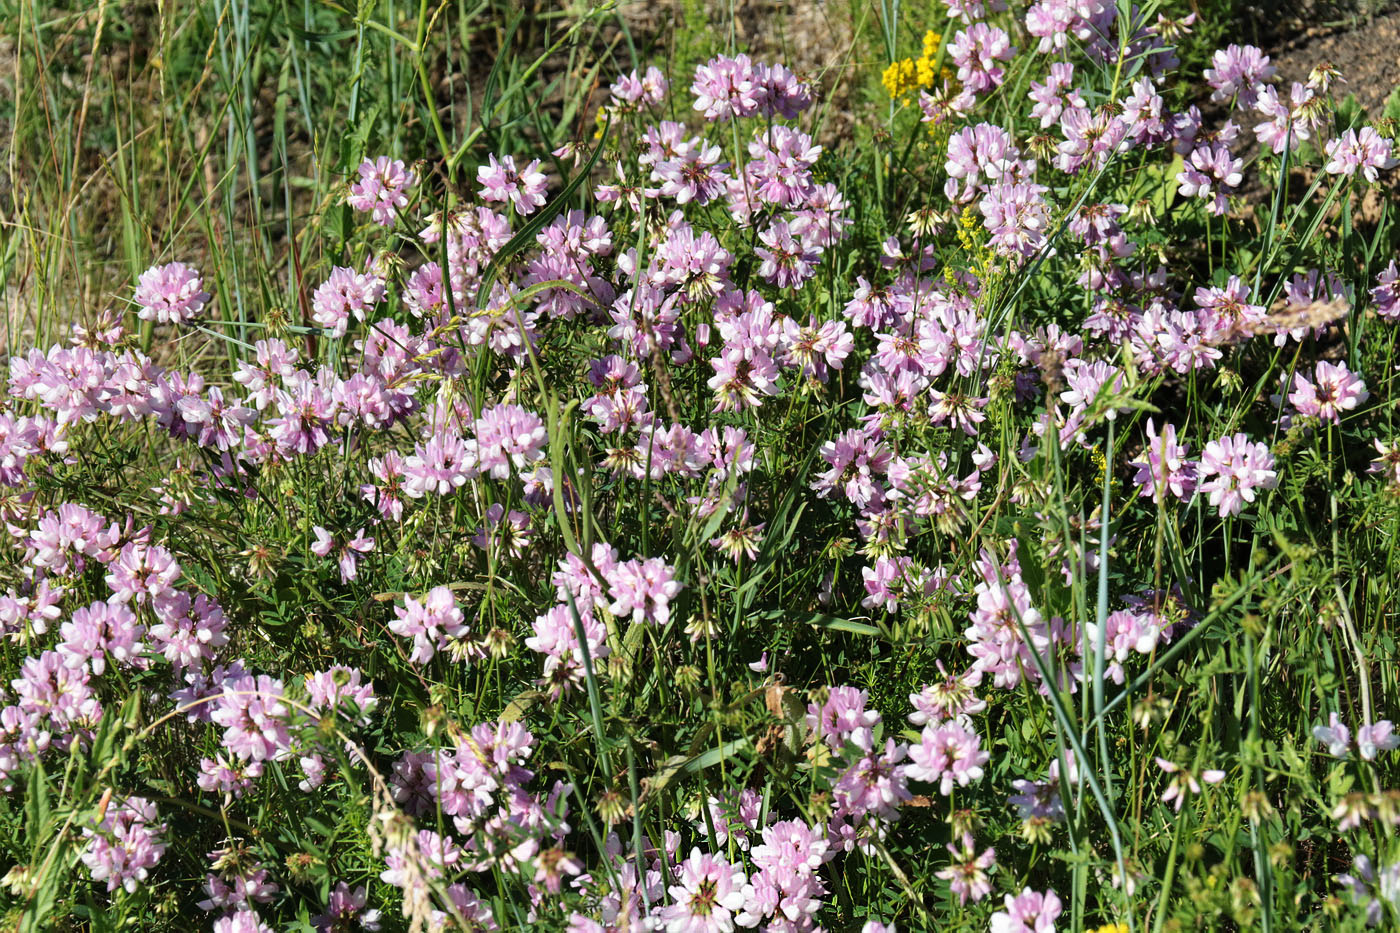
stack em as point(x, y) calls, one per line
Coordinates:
point(585, 493)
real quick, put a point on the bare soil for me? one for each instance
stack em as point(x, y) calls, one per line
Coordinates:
point(1367, 54)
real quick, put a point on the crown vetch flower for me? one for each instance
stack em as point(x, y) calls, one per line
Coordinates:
point(1232, 468)
point(125, 844)
point(382, 189)
point(524, 188)
point(170, 294)
point(708, 893)
point(1332, 390)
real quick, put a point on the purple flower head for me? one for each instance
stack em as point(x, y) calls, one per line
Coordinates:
point(344, 293)
point(1184, 782)
point(99, 632)
point(170, 294)
point(1239, 72)
point(1211, 170)
point(1017, 217)
point(1028, 912)
point(631, 90)
point(843, 717)
point(345, 911)
point(382, 189)
point(976, 51)
point(502, 181)
point(254, 717)
point(780, 166)
point(1290, 121)
point(347, 553)
point(727, 87)
point(242, 921)
point(1225, 314)
point(1386, 294)
point(707, 894)
point(1232, 468)
point(951, 698)
point(855, 461)
point(1332, 390)
point(949, 754)
point(1367, 152)
point(643, 589)
point(124, 844)
point(508, 436)
point(430, 623)
point(968, 871)
point(1165, 469)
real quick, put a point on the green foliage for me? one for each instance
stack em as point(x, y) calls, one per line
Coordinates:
point(228, 131)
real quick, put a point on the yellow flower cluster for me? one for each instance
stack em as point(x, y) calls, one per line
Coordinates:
point(1112, 928)
point(908, 74)
point(925, 62)
point(1101, 464)
point(969, 228)
point(900, 78)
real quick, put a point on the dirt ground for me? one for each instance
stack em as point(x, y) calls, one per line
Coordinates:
point(1367, 54)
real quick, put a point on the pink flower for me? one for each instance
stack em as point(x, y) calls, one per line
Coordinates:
point(1166, 469)
point(645, 90)
point(1232, 468)
point(382, 189)
point(1335, 735)
point(1226, 314)
point(556, 637)
point(1028, 912)
point(1386, 294)
point(727, 87)
point(709, 892)
point(949, 754)
point(1367, 152)
point(742, 378)
point(1376, 738)
point(967, 874)
point(976, 51)
point(254, 717)
point(242, 921)
point(347, 553)
point(950, 698)
point(1238, 71)
point(1332, 390)
point(842, 717)
point(1211, 168)
point(502, 181)
point(344, 293)
point(643, 589)
point(506, 436)
point(430, 623)
point(1017, 217)
point(142, 573)
point(1185, 782)
point(856, 462)
point(345, 910)
point(125, 845)
point(98, 632)
point(170, 294)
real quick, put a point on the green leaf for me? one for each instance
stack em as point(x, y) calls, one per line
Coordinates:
point(822, 620)
point(715, 755)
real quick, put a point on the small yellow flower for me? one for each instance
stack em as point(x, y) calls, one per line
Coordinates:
point(1100, 461)
point(925, 65)
point(968, 227)
point(900, 78)
point(931, 40)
